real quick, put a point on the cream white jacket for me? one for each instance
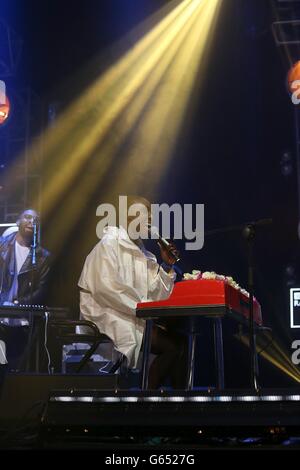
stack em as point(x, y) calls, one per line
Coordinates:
point(118, 274)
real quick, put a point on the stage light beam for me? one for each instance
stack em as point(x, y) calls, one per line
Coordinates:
point(139, 104)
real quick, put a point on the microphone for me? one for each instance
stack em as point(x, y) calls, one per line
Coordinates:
point(34, 241)
point(155, 234)
point(36, 220)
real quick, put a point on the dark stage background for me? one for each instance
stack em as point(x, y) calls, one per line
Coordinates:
point(229, 158)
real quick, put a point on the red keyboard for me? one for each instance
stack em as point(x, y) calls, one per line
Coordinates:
point(203, 297)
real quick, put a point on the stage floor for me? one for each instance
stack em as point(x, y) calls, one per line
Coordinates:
point(84, 417)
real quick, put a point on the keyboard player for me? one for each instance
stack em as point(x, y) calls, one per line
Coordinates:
point(23, 280)
point(117, 274)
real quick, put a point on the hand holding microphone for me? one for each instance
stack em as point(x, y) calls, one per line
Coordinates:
point(168, 250)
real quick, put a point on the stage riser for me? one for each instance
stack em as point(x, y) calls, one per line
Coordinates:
point(171, 416)
point(67, 425)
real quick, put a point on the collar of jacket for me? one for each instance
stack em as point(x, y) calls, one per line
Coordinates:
point(123, 238)
point(8, 244)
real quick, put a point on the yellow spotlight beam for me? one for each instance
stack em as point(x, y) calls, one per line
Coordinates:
point(158, 132)
point(76, 202)
point(83, 126)
point(140, 103)
point(106, 83)
point(157, 95)
point(92, 134)
point(276, 356)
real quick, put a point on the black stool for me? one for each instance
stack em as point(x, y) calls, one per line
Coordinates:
point(95, 338)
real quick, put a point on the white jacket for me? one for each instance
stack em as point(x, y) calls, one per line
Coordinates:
point(117, 274)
